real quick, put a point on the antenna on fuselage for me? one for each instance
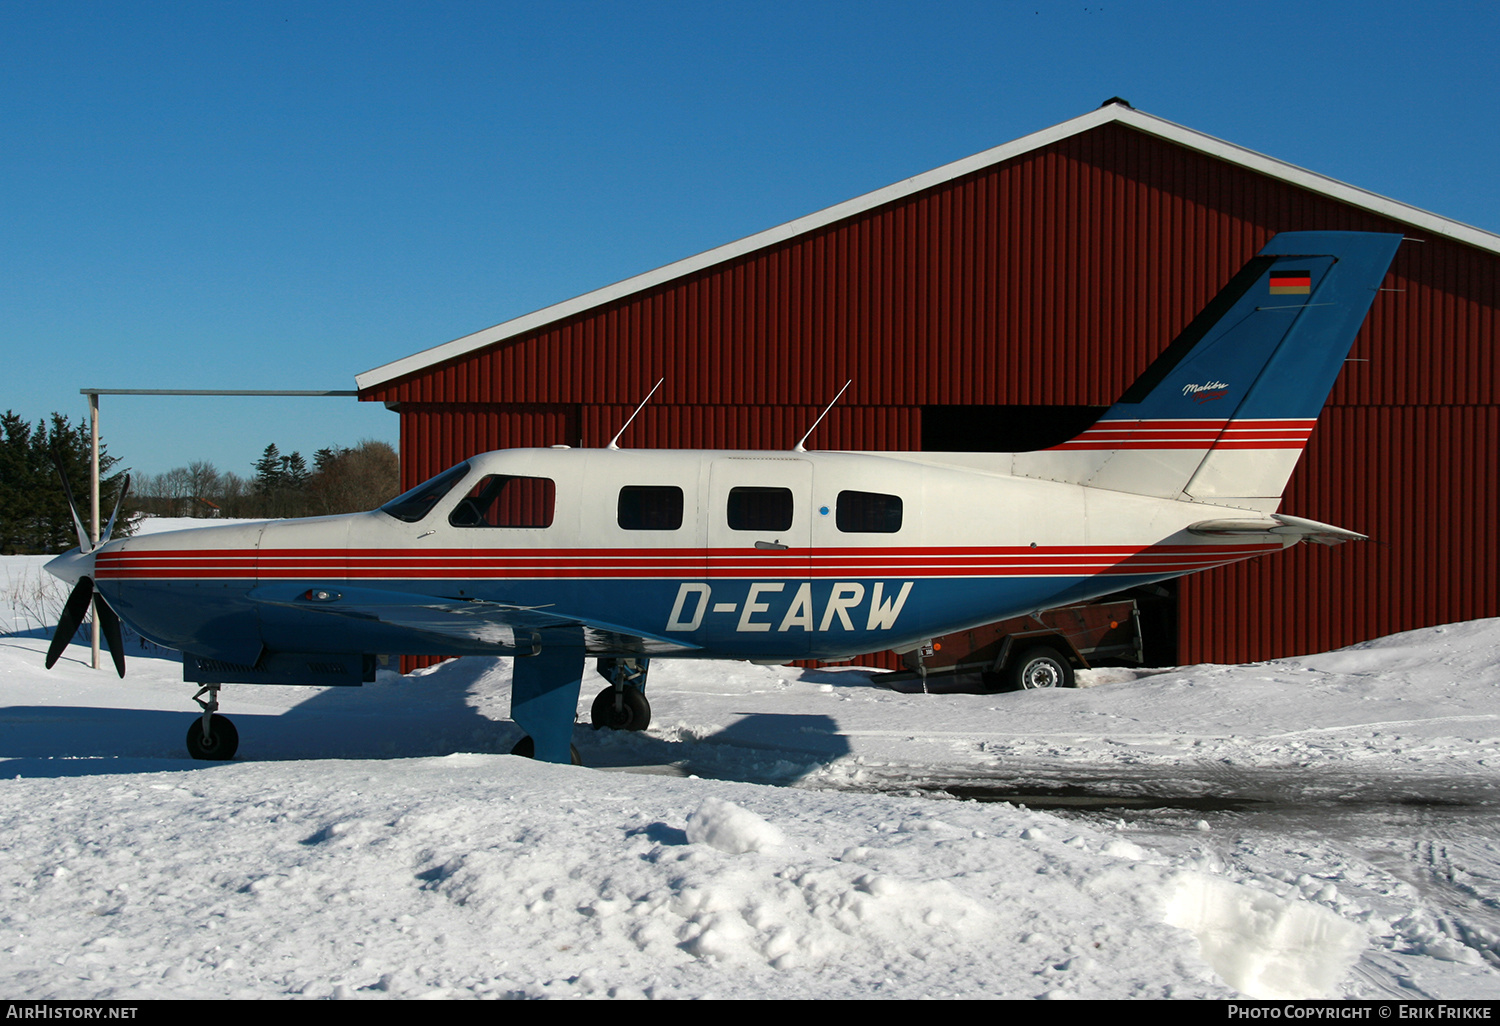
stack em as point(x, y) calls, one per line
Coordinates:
point(798, 447)
point(612, 442)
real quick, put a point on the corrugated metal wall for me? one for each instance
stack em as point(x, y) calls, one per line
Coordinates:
point(1053, 278)
point(1422, 481)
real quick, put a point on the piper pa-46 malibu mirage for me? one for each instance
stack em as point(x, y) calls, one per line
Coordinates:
point(557, 555)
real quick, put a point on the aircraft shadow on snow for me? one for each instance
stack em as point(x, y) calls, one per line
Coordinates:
point(421, 717)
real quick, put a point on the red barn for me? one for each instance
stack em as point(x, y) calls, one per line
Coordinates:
point(1002, 301)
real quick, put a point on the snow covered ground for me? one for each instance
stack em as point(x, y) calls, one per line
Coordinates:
point(1319, 826)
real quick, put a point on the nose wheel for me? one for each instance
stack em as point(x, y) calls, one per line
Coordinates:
point(211, 737)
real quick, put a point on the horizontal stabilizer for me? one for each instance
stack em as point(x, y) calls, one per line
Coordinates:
point(1278, 526)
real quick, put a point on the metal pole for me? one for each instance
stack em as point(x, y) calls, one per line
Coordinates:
point(94, 507)
point(95, 393)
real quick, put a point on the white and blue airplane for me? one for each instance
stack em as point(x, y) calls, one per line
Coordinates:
point(556, 555)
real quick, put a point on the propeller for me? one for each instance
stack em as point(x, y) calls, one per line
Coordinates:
point(84, 593)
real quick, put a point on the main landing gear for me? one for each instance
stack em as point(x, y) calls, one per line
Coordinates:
point(526, 749)
point(545, 693)
point(211, 736)
point(544, 696)
point(622, 705)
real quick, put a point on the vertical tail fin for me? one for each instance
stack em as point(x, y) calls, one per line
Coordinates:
point(1224, 413)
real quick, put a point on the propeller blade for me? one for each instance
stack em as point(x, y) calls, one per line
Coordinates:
point(72, 615)
point(109, 626)
point(109, 528)
point(84, 545)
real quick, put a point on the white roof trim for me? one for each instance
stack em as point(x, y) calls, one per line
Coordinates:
point(1143, 122)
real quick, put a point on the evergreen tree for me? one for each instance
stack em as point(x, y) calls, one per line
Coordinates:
point(296, 473)
point(34, 514)
point(70, 446)
point(268, 472)
point(324, 458)
point(16, 482)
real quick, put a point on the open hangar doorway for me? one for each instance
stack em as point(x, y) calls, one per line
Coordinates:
point(979, 428)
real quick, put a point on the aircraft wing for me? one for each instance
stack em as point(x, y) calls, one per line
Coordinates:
point(1278, 528)
point(500, 624)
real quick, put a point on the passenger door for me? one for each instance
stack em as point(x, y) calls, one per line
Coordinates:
point(759, 558)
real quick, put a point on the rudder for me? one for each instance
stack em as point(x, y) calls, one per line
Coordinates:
point(1224, 413)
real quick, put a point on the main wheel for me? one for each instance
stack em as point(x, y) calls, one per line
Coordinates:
point(526, 749)
point(633, 713)
point(222, 742)
point(1039, 667)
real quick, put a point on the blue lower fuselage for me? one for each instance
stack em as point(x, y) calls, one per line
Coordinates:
point(770, 619)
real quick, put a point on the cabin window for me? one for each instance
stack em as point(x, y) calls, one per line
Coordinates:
point(415, 504)
point(760, 509)
point(501, 500)
point(650, 507)
point(868, 513)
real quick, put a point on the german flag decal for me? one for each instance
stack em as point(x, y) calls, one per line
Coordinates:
point(1291, 283)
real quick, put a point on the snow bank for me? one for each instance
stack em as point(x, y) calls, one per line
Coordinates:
point(494, 876)
point(730, 828)
point(1261, 945)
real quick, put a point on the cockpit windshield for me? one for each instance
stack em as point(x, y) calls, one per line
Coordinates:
point(414, 505)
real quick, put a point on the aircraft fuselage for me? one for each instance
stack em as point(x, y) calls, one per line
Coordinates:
point(762, 555)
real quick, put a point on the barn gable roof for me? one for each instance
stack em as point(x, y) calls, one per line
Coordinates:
point(1113, 112)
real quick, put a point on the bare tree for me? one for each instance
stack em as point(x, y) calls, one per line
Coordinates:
point(203, 489)
point(349, 480)
point(345, 480)
point(234, 495)
point(176, 492)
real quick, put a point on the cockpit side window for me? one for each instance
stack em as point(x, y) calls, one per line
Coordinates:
point(413, 505)
point(503, 500)
point(650, 508)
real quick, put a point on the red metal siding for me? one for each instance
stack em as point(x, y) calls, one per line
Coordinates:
point(753, 427)
point(1052, 278)
point(436, 436)
point(1423, 482)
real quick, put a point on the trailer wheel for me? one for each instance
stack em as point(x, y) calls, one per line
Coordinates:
point(1040, 666)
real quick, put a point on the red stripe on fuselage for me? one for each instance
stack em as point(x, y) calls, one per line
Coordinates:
point(467, 564)
point(1193, 434)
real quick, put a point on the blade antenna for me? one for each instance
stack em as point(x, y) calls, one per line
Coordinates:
point(614, 442)
point(798, 447)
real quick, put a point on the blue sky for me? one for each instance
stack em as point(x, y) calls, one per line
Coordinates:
point(268, 195)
